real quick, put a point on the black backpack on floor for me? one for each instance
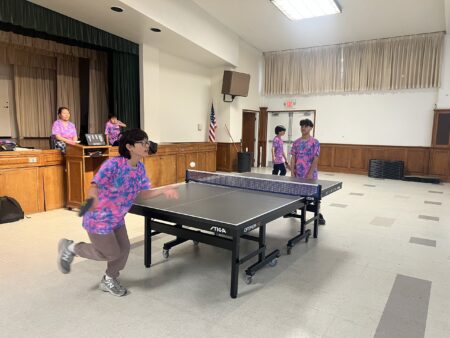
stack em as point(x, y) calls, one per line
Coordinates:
point(10, 210)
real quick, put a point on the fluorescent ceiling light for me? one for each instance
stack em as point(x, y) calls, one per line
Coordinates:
point(303, 9)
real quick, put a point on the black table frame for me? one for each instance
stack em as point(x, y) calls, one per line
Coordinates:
point(224, 236)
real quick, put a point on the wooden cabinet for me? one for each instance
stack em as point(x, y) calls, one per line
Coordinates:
point(25, 185)
point(34, 178)
point(54, 181)
point(82, 163)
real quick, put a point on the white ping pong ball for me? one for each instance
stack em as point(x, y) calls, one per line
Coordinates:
point(192, 164)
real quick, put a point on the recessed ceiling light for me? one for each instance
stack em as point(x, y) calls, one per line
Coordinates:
point(156, 30)
point(117, 9)
point(304, 9)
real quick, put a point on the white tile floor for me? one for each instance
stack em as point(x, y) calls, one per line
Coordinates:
point(335, 286)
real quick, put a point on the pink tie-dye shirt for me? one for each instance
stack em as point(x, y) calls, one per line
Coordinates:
point(118, 186)
point(113, 132)
point(69, 131)
point(305, 151)
point(277, 144)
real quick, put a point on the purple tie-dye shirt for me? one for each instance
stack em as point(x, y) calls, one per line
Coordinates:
point(277, 144)
point(69, 131)
point(118, 186)
point(305, 151)
point(113, 132)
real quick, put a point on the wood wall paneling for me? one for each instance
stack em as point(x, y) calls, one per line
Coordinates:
point(417, 161)
point(358, 158)
point(227, 156)
point(420, 161)
point(342, 157)
point(439, 162)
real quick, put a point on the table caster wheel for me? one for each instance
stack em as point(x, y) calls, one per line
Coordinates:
point(248, 279)
point(195, 243)
point(273, 262)
point(307, 238)
point(288, 250)
point(165, 253)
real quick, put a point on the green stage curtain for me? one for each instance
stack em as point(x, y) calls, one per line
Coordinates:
point(124, 88)
point(26, 18)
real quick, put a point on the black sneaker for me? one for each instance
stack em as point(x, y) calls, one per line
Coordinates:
point(112, 286)
point(321, 220)
point(65, 256)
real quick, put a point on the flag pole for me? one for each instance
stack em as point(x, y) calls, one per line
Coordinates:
point(229, 134)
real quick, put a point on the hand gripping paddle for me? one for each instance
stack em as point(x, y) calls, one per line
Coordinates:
point(85, 206)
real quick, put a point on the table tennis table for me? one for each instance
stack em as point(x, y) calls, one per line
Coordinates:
point(221, 209)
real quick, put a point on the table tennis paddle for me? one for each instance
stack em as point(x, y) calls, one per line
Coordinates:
point(85, 206)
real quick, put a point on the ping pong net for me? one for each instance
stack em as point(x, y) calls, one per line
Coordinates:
point(272, 185)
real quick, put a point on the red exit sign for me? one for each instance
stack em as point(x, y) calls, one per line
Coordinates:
point(289, 103)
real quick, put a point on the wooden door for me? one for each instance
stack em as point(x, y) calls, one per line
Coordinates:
point(248, 133)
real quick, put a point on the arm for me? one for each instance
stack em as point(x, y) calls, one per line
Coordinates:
point(286, 161)
point(313, 167)
point(168, 191)
point(121, 124)
point(273, 154)
point(293, 160)
point(66, 140)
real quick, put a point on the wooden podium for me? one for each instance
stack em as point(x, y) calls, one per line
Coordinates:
point(82, 162)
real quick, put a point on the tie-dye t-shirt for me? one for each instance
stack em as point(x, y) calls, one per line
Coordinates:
point(305, 151)
point(277, 144)
point(113, 132)
point(67, 131)
point(118, 185)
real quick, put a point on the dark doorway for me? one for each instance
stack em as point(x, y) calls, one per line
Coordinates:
point(248, 132)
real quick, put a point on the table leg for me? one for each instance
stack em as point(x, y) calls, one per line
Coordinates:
point(235, 266)
point(148, 242)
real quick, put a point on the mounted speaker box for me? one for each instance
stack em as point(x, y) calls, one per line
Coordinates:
point(235, 84)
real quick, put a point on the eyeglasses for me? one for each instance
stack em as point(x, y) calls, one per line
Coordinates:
point(144, 143)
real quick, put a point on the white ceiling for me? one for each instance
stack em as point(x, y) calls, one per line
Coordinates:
point(131, 25)
point(262, 25)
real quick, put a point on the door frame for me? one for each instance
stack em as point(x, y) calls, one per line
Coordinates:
point(255, 143)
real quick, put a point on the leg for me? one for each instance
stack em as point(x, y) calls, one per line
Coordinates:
point(115, 266)
point(275, 169)
point(282, 169)
point(103, 247)
point(234, 266)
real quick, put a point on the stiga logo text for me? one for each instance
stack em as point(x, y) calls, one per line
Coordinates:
point(250, 227)
point(218, 229)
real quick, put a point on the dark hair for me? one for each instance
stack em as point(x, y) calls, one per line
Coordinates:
point(279, 129)
point(306, 123)
point(111, 115)
point(130, 137)
point(60, 109)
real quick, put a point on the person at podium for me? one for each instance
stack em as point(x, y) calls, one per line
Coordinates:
point(63, 131)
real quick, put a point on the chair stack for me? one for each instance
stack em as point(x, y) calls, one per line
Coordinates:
point(386, 169)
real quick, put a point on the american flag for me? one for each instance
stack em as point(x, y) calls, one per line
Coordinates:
point(212, 125)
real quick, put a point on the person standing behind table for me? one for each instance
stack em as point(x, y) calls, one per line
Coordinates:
point(64, 131)
point(305, 153)
point(112, 129)
point(279, 158)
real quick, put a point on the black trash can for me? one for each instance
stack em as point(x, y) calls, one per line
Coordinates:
point(244, 161)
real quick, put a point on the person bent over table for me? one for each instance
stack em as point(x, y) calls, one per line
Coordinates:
point(63, 131)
